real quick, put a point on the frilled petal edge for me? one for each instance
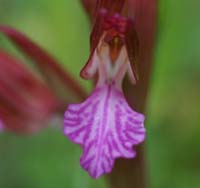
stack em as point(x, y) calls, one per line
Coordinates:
point(106, 128)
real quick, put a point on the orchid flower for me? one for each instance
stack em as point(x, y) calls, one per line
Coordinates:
point(104, 124)
point(29, 101)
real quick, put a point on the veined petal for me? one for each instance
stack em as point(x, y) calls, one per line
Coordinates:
point(106, 127)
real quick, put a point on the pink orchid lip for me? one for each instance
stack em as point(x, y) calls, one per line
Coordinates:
point(106, 128)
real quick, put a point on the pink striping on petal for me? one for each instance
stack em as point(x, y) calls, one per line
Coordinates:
point(106, 127)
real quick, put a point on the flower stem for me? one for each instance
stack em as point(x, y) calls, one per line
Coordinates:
point(132, 173)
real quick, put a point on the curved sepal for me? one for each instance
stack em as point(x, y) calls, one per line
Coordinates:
point(26, 102)
point(47, 64)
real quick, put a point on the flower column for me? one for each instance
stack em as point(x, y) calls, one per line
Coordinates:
point(131, 173)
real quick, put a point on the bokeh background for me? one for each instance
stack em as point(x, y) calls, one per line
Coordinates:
point(48, 159)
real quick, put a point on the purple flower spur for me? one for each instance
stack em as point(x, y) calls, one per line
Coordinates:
point(104, 124)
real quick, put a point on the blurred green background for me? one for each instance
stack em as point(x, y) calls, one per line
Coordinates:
point(49, 160)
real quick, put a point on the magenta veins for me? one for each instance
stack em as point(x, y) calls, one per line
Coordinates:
point(104, 124)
